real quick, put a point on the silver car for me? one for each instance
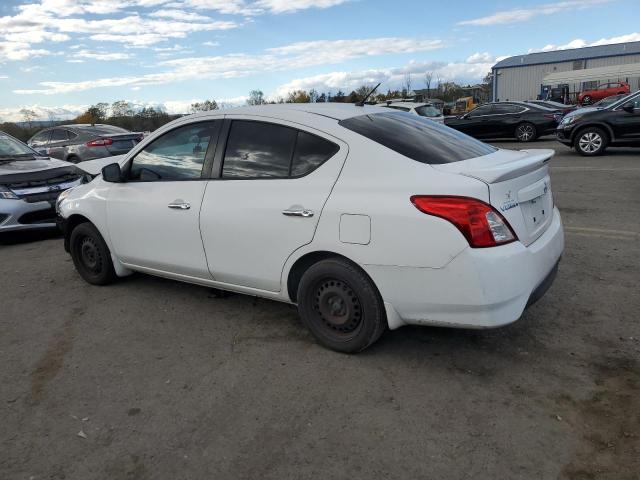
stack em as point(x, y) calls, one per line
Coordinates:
point(30, 185)
point(80, 142)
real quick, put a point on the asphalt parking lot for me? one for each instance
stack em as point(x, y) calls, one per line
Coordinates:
point(150, 378)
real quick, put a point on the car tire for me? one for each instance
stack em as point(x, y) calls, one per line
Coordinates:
point(341, 306)
point(90, 255)
point(586, 100)
point(526, 132)
point(73, 159)
point(591, 141)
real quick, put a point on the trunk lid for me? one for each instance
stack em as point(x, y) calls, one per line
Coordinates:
point(122, 142)
point(519, 187)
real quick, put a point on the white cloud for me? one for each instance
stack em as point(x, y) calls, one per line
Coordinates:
point(525, 14)
point(3, 77)
point(481, 57)
point(288, 6)
point(391, 78)
point(580, 43)
point(102, 55)
point(289, 57)
point(179, 15)
point(64, 112)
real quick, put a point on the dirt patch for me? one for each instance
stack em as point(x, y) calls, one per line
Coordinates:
point(52, 361)
point(609, 422)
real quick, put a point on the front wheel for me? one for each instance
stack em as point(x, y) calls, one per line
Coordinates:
point(341, 306)
point(591, 142)
point(526, 132)
point(586, 100)
point(90, 255)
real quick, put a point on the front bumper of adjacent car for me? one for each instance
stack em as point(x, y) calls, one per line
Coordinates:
point(22, 215)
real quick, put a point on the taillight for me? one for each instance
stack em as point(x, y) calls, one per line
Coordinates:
point(99, 142)
point(480, 223)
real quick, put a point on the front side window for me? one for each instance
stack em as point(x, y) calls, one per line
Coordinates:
point(176, 155)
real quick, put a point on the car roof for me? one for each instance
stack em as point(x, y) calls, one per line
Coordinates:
point(410, 104)
point(337, 111)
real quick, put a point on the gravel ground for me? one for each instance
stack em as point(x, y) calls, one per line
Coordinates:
point(150, 378)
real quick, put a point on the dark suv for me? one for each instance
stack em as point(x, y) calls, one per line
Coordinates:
point(591, 130)
point(77, 143)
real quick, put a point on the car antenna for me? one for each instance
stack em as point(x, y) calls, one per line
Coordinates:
point(361, 102)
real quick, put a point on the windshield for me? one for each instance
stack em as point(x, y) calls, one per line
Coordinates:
point(605, 102)
point(623, 100)
point(427, 111)
point(10, 147)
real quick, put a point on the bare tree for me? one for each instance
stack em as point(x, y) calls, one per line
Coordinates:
point(428, 76)
point(51, 115)
point(256, 97)
point(407, 82)
point(28, 115)
point(205, 106)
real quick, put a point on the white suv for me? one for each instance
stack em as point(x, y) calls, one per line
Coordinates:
point(427, 110)
point(366, 218)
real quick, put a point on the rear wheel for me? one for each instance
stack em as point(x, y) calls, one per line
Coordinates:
point(586, 100)
point(73, 159)
point(341, 306)
point(91, 255)
point(591, 141)
point(526, 132)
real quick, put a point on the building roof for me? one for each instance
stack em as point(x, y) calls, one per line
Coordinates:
point(569, 55)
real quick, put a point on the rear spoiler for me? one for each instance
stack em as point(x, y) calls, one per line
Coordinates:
point(501, 165)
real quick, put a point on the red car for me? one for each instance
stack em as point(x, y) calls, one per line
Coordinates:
point(603, 91)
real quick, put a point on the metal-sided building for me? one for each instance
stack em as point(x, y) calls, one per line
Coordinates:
point(528, 77)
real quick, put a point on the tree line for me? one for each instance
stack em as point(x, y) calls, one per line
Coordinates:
point(123, 114)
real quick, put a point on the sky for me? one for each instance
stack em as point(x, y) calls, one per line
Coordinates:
point(59, 56)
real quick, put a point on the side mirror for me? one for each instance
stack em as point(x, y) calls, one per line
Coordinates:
point(629, 107)
point(112, 173)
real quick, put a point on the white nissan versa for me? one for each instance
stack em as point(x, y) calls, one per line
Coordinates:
point(365, 218)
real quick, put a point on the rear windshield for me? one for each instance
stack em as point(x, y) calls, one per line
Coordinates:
point(417, 138)
point(427, 111)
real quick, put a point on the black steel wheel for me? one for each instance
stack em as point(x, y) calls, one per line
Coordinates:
point(526, 132)
point(91, 255)
point(341, 306)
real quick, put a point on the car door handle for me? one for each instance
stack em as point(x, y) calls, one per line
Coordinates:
point(298, 212)
point(178, 205)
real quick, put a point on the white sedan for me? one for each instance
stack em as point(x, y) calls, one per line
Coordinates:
point(364, 217)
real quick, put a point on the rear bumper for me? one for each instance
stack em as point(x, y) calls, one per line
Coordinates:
point(479, 288)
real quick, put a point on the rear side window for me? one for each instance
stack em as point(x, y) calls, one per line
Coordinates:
point(427, 111)
point(267, 150)
point(506, 108)
point(311, 151)
point(57, 135)
point(417, 138)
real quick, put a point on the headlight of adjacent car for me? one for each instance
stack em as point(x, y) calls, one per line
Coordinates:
point(61, 197)
point(7, 194)
point(570, 120)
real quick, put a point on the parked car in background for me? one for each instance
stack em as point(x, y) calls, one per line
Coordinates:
point(553, 105)
point(605, 102)
point(587, 97)
point(365, 217)
point(591, 130)
point(524, 121)
point(78, 143)
point(426, 110)
point(30, 185)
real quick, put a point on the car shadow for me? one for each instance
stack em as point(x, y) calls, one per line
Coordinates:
point(29, 236)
